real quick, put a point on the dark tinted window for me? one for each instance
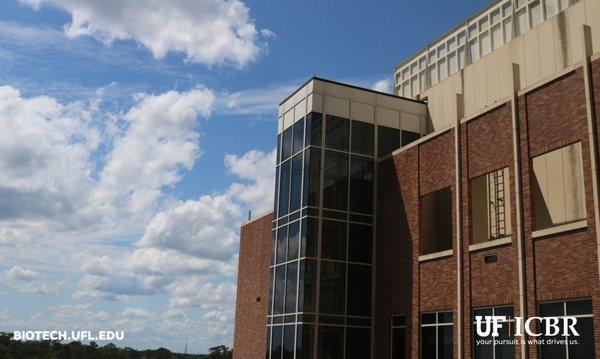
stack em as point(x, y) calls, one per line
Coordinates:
point(276, 342)
point(289, 333)
point(286, 144)
point(314, 128)
point(358, 343)
point(309, 237)
point(408, 137)
point(296, 182)
point(428, 342)
point(333, 282)
point(445, 342)
point(278, 159)
point(276, 201)
point(298, 136)
point(360, 246)
point(398, 343)
point(312, 176)
point(388, 140)
point(333, 240)
point(284, 188)
point(361, 184)
point(335, 186)
point(305, 341)
point(337, 130)
point(290, 287)
point(331, 342)
point(293, 240)
point(436, 221)
point(268, 350)
point(308, 285)
point(359, 290)
point(363, 138)
point(279, 289)
point(281, 244)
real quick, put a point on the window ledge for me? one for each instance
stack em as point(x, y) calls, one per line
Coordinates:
point(436, 255)
point(559, 229)
point(489, 244)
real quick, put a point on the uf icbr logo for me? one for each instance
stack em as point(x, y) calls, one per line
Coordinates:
point(553, 326)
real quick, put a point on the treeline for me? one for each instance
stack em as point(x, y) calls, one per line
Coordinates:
point(48, 349)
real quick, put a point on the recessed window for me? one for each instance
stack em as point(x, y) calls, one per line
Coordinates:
point(360, 243)
point(398, 337)
point(409, 136)
point(560, 349)
point(335, 186)
point(436, 221)
point(558, 187)
point(358, 343)
point(490, 206)
point(361, 184)
point(359, 290)
point(436, 335)
point(498, 348)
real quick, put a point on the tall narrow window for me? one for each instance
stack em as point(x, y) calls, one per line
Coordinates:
point(363, 139)
point(358, 343)
point(560, 349)
point(337, 133)
point(298, 136)
point(398, 337)
point(361, 184)
point(296, 182)
point(436, 335)
point(490, 206)
point(388, 140)
point(436, 221)
point(332, 287)
point(335, 186)
point(558, 187)
point(314, 129)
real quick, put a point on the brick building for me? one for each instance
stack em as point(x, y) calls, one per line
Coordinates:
point(472, 191)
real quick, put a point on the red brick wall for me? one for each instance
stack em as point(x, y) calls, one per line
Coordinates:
point(250, 339)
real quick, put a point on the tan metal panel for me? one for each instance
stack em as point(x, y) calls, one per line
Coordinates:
point(410, 122)
point(480, 84)
point(288, 119)
point(492, 78)
point(337, 106)
point(532, 56)
point(300, 110)
point(547, 55)
point(469, 91)
point(592, 9)
point(449, 103)
point(280, 125)
point(576, 19)
point(317, 102)
point(504, 71)
point(387, 117)
point(362, 112)
point(560, 36)
point(518, 57)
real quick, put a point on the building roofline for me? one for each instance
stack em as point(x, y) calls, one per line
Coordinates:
point(444, 35)
point(348, 85)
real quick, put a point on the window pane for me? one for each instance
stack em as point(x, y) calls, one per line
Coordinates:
point(312, 176)
point(474, 50)
point(333, 240)
point(497, 38)
point(445, 342)
point(409, 136)
point(428, 343)
point(286, 145)
point(304, 342)
point(445, 317)
point(331, 342)
point(358, 343)
point(359, 290)
point(289, 333)
point(333, 281)
point(314, 129)
point(486, 43)
point(308, 285)
point(361, 184)
point(271, 277)
point(388, 140)
point(585, 347)
point(552, 309)
point(428, 318)
point(398, 320)
point(335, 186)
point(298, 136)
point(294, 236)
point(296, 182)
point(276, 201)
point(284, 188)
point(521, 23)
point(337, 130)
point(278, 148)
point(310, 237)
point(360, 246)
point(276, 342)
point(507, 25)
point(482, 350)
point(452, 63)
point(398, 343)
point(577, 307)
point(279, 289)
point(290, 287)
point(363, 138)
point(535, 11)
point(505, 351)
point(268, 350)
point(281, 244)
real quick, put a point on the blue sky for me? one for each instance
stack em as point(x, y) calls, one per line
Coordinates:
point(134, 137)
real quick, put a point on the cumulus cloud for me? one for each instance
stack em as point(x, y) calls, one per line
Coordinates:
point(384, 85)
point(205, 31)
point(26, 280)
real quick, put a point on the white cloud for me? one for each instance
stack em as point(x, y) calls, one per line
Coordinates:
point(205, 31)
point(25, 280)
point(384, 85)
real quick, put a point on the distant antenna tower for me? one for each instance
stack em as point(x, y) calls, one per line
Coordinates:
point(249, 215)
point(185, 352)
